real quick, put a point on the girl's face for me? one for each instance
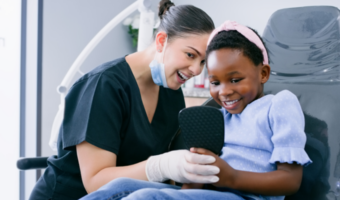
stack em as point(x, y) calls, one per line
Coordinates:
point(184, 57)
point(235, 80)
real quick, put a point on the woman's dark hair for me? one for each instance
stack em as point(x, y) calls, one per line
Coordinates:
point(177, 21)
point(235, 40)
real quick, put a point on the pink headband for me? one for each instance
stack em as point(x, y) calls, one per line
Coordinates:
point(245, 31)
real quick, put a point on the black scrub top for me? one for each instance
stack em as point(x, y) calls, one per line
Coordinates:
point(105, 108)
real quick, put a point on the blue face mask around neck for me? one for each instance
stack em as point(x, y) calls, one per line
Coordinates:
point(158, 71)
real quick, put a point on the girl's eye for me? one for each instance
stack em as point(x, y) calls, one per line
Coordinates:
point(190, 55)
point(214, 83)
point(235, 80)
point(203, 62)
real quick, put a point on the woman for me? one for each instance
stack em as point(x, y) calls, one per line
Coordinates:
point(125, 111)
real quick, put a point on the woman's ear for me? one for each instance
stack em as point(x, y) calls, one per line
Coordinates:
point(265, 73)
point(160, 41)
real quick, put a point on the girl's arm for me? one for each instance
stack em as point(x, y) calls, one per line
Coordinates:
point(283, 181)
point(98, 167)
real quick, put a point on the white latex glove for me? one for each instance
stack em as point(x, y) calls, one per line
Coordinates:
point(182, 166)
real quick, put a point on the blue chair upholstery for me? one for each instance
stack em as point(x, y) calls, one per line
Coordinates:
point(304, 54)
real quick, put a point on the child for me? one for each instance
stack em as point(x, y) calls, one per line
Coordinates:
point(264, 134)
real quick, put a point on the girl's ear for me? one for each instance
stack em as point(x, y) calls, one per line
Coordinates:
point(160, 41)
point(265, 73)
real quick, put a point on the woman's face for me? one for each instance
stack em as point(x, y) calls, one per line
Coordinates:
point(184, 57)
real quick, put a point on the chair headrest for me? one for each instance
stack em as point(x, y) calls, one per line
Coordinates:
point(303, 24)
point(303, 44)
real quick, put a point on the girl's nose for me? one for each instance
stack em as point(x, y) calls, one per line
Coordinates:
point(225, 91)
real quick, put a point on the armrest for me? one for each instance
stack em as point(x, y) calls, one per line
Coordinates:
point(32, 163)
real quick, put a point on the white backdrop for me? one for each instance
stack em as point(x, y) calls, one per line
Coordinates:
point(10, 24)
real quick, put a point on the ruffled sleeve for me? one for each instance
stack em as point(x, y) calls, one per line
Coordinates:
point(287, 123)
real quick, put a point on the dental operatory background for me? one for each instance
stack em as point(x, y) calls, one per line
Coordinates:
point(40, 40)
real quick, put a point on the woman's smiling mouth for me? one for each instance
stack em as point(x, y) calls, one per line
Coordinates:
point(182, 76)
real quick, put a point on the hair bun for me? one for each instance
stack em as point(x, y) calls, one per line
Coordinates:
point(164, 6)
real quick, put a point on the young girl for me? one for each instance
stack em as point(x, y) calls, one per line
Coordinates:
point(264, 134)
point(264, 152)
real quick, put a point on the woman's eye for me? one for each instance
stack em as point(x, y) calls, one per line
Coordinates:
point(235, 80)
point(203, 62)
point(190, 55)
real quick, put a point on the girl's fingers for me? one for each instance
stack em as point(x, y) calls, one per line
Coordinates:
point(201, 151)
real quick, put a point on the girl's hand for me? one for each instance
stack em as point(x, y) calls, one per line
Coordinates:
point(227, 174)
point(285, 180)
point(192, 186)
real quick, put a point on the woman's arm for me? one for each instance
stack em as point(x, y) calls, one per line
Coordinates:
point(98, 167)
point(283, 181)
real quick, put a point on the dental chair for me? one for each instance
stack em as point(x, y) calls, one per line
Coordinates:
point(304, 51)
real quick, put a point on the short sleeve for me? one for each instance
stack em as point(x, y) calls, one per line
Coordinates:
point(287, 123)
point(95, 110)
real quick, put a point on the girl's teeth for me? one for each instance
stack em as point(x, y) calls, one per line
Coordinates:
point(230, 102)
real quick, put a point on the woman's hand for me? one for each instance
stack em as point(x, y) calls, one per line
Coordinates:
point(227, 175)
point(182, 166)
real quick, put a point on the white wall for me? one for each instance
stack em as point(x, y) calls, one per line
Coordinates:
point(67, 28)
point(10, 29)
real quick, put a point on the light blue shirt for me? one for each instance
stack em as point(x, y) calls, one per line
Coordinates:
point(269, 130)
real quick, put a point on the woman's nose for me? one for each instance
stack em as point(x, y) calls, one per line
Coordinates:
point(196, 69)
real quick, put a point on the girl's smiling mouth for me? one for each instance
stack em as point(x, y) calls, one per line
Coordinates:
point(231, 104)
